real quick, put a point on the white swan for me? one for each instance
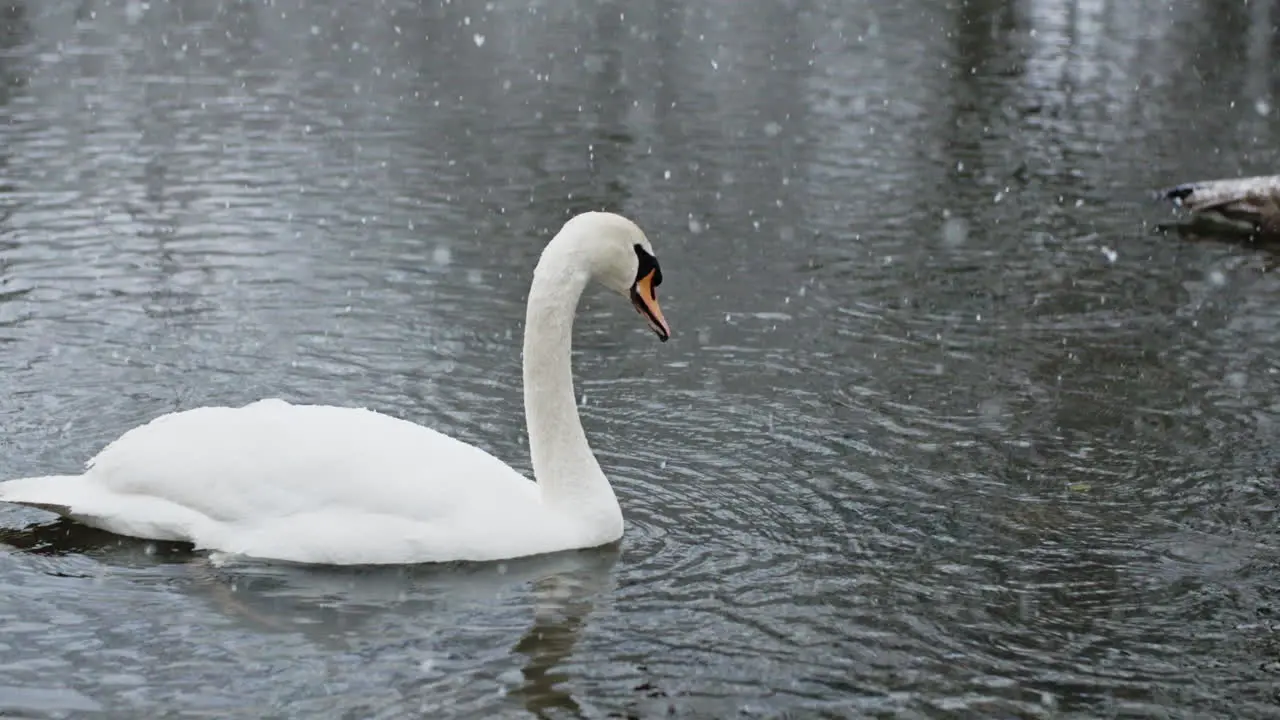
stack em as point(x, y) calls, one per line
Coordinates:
point(334, 485)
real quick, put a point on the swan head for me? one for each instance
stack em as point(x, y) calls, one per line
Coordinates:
point(620, 257)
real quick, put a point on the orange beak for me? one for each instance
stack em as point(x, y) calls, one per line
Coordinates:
point(645, 298)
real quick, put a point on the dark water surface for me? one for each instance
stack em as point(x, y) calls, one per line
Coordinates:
point(945, 429)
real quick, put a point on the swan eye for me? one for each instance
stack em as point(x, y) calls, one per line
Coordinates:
point(646, 264)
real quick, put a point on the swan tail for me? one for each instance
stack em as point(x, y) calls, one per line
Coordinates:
point(81, 499)
point(52, 493)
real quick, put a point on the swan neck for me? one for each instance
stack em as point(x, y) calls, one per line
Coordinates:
point(563, 463)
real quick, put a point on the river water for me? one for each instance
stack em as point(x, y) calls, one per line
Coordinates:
point(945, 429)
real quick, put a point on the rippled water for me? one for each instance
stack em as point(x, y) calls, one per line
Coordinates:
point(945, 429)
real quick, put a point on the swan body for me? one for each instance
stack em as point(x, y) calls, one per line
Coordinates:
point(338, 485)
point(1248, 205)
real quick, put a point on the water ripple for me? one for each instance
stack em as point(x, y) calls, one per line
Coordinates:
point(942, 431)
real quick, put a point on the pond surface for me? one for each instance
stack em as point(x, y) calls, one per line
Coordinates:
point(945, 429)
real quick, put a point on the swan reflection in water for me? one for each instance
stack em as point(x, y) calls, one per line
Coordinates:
point(427, 606)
